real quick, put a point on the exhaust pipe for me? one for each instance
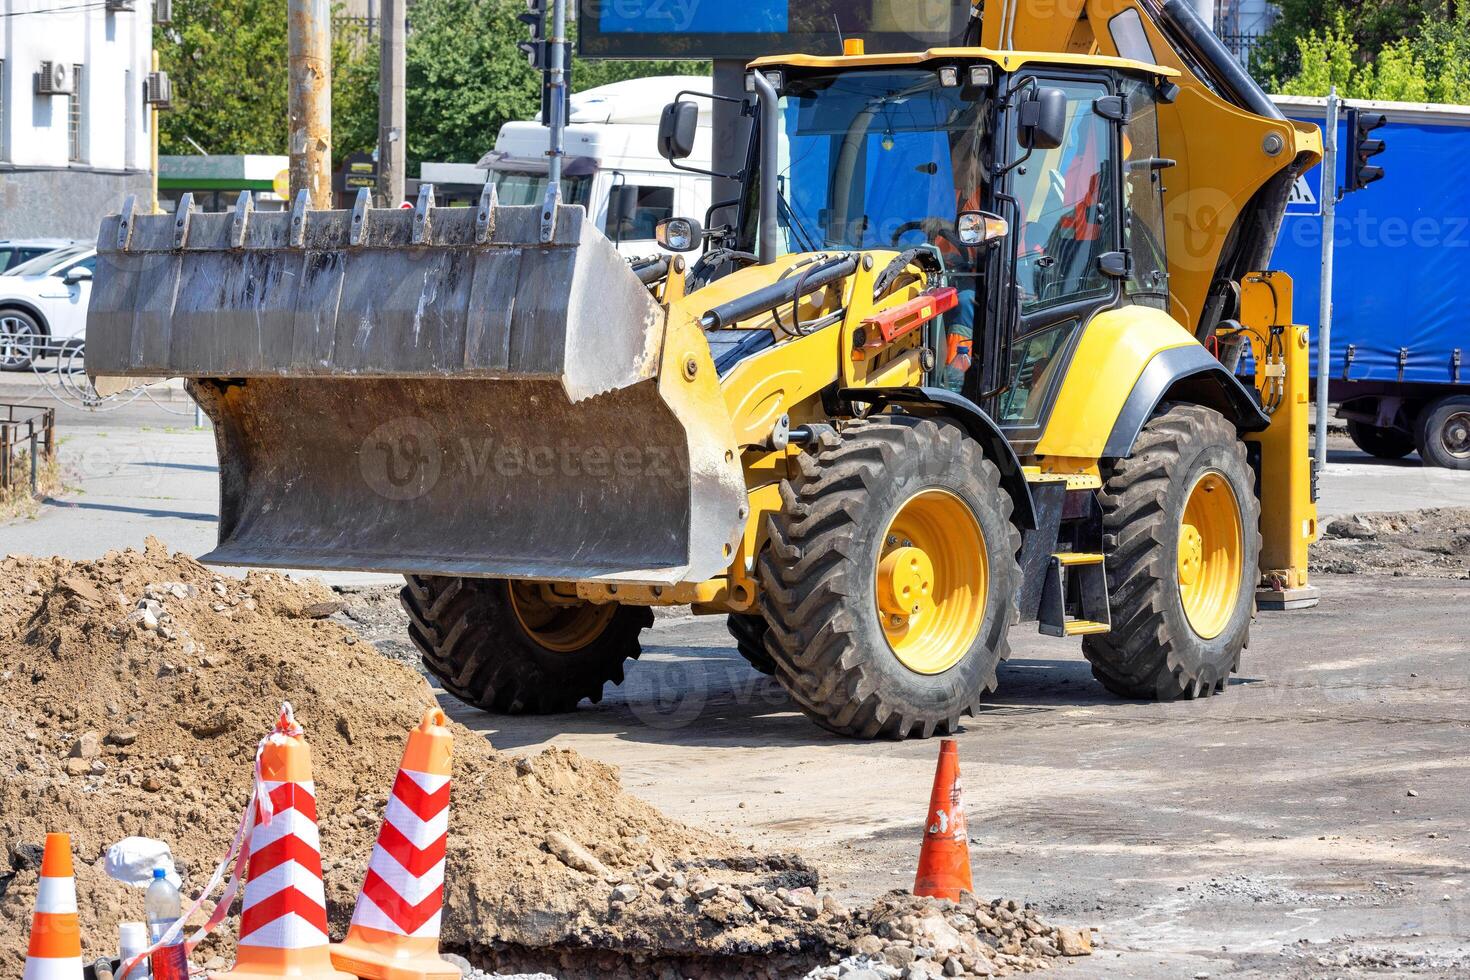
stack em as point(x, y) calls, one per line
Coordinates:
point(770, 161)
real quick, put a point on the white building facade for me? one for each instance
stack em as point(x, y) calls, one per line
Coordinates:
point(75, 135)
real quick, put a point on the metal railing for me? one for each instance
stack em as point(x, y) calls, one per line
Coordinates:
point(25, 425)
point(1241, 45)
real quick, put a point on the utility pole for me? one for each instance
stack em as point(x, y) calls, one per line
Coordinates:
point(309, 46)
point(391, 112)
point(152, 107)
point(1324, 312)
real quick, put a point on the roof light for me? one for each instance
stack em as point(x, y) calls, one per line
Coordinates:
point(854, 47)
point(982, 76)
point(776, 78)
point(949, 76)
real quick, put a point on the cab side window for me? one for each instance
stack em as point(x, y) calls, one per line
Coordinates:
point(1143, 198)
point(1067, 208)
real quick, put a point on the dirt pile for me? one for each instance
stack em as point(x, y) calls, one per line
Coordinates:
point(137, 686)
point(1431, 543)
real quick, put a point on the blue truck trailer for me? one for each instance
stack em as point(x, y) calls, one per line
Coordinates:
point(1401, 283)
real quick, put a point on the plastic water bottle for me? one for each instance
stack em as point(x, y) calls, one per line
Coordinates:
point(164, 906)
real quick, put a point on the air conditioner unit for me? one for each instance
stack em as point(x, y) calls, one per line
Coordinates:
point(158, 90)
point(54, 78)
point(163, 11)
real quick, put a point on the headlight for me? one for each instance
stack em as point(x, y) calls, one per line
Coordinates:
point(981, 227)
point(679, 234)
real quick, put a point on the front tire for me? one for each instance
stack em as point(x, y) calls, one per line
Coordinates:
point(1181, 534)
point(1443, 433)
point(503, 647)
point(1380, 442)
point(890, 583)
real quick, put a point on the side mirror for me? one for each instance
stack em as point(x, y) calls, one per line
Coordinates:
point(679, 234)
point(1043, 120)
point(676, 130)
point(77, 274)
point(981, 227)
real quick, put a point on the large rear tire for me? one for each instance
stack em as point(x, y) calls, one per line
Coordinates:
point(890, 582)
point(1181, 531)
point(501, 646)
point(1380, 442)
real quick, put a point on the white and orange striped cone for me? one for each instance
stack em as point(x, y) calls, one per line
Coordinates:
point(395, 928)
point(55, 952)
point(283, 917)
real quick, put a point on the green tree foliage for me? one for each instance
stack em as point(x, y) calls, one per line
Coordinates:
point(465, 77)
point(1374, 25)
point(1432, 64)
point(227, 61)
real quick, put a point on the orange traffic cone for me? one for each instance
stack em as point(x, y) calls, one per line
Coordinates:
point(56, 936)
point(395, 927)
point(283, 918)
point(944, 860)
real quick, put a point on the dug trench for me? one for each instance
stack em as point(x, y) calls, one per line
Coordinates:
point(136, 687)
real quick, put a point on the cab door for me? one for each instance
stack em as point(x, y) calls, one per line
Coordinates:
point(1067, 251)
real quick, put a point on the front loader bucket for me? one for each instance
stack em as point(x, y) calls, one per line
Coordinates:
point(431, 391)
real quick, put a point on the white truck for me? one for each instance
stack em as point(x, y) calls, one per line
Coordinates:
point(613, 167)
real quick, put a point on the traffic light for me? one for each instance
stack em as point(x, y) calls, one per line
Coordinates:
point(538, 54)
point(1362, 172)
point(535, 48)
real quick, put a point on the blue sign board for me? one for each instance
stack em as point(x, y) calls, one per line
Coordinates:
point(746, 29)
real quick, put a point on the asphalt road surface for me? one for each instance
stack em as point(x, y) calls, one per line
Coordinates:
point(1311, 822)
point(1269, 832)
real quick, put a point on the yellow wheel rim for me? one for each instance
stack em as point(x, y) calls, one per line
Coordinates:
point(557, 622)
point(1210, 558)
point(931, 581)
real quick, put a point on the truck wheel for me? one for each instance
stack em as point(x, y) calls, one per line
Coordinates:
point(891, 579)
point(1183, 545)
point(505, 647)
point(750, 640)
point(1443, 435)
point(1377, 441)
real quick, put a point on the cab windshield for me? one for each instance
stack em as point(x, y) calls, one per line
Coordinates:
point(878, 159)
point(513, 187)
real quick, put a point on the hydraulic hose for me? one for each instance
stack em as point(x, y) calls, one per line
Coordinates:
point(778, 294)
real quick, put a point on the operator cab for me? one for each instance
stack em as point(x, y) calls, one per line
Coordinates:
point(1032, 182)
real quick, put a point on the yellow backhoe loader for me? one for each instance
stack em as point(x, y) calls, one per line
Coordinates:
point(964, 354)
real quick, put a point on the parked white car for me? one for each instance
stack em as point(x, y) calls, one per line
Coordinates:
point(14, 251)
point(43, 305)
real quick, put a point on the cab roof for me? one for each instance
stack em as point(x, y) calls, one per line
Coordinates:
point(1006, 60)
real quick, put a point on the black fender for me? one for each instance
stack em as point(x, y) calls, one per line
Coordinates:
point(1184, 374)
point(978, 425)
